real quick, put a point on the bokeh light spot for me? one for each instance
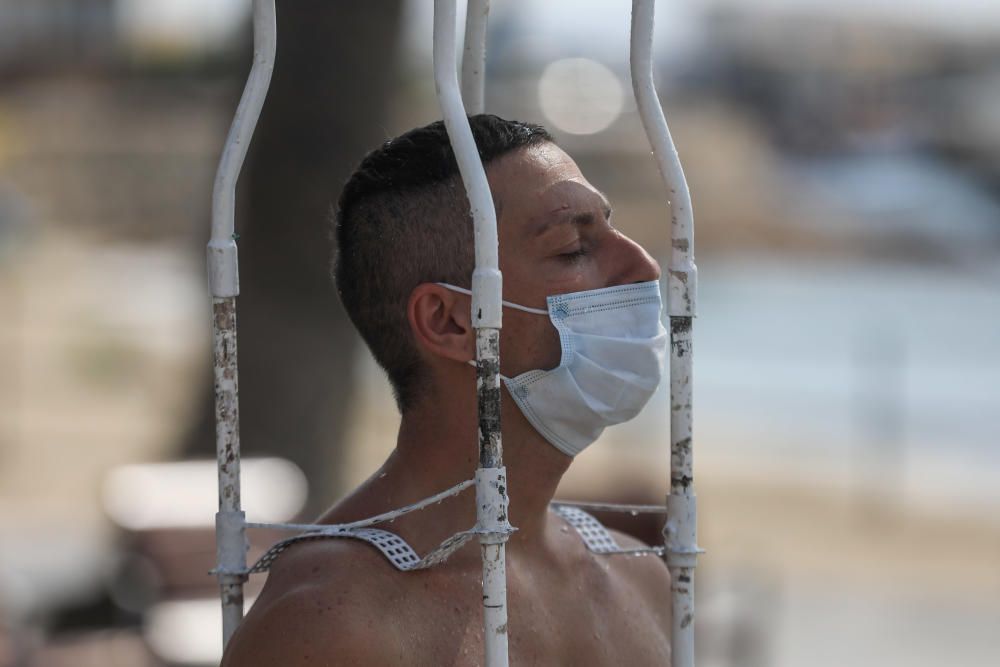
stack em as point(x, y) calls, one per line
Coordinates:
point(579, 95)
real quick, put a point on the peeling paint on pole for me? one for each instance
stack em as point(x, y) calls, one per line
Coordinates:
point(488, 397)
point(227, 423)
point(230, 531)
point(681, 427)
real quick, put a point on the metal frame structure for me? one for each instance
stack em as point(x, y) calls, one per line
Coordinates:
point(492, 525)
point(487, 311)
point(682, 282)
point(224, 285)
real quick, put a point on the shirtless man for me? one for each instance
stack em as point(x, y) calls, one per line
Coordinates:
point(403, 228)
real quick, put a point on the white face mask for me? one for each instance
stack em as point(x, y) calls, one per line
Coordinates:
point(613, 345)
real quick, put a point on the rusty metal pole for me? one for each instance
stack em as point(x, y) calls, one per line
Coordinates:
point(681, 530)
point(474, 56)
point(223, 281)
point(491, 483)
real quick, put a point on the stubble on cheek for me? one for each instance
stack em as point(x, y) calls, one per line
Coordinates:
point(527, 345)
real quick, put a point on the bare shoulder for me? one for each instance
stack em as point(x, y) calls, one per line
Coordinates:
point(648, 574)
point(322, 599)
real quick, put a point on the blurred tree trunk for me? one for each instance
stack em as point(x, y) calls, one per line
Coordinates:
point(333, 83)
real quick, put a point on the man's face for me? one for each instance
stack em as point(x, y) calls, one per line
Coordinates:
point(555, 237)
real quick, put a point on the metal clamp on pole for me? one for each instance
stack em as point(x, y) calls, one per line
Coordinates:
point(231, 558)
point(231, 548)
point(223, 269)
point(223, 280)
point(679, 531)
point(492, 506)
point(487, 302)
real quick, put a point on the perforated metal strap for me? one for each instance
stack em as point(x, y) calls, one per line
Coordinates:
point(392, 546)
point(595, 536)
point(397, 551)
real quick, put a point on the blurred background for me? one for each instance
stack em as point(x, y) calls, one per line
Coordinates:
point(844, 161)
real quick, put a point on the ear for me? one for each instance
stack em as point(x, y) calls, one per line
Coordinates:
point(441, 322)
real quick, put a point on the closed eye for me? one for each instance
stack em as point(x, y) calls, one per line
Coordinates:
point(574, 255)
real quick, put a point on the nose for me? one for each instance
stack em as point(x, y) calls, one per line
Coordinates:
point(632, 264)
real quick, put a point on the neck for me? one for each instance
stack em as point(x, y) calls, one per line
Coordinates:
point(438, 448)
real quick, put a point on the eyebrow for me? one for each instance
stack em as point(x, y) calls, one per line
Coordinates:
point(558, 217)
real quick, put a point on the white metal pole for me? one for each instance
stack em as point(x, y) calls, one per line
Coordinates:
point(223, 280)
point(680, 531)
point(491, 485)
point(474, 56)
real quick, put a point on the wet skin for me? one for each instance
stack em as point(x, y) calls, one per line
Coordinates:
point(339, 602)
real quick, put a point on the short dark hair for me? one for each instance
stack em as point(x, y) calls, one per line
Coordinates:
point(403, 219)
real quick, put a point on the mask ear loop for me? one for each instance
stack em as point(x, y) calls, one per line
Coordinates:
point(462, 290)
